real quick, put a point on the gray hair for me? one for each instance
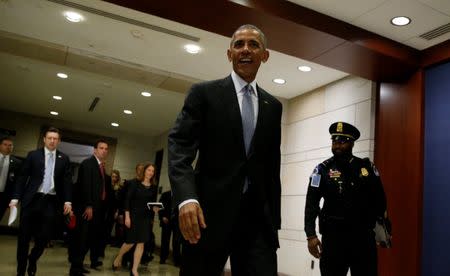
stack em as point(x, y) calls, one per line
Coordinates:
point(251, 27)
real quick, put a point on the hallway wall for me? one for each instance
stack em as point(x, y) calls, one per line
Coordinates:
point(305, 143)
point(436, 188)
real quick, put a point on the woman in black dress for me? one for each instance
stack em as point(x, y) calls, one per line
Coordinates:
point(138, 217)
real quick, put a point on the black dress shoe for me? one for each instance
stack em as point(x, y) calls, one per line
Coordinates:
point(76, 272)
point(96, 264)
point(31, 268)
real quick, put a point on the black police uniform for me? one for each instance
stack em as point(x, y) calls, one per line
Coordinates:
point(353, 199)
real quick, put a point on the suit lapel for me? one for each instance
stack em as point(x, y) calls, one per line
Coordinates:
point(262, 109)
point(230, 99)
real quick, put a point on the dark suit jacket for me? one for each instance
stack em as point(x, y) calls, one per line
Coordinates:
point(13, 173)
point(210, 123)
point(89, 186)
point(32, 175)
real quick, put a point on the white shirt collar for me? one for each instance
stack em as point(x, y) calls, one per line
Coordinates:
point(239, 83)
point(47, 151)
point(98, 160)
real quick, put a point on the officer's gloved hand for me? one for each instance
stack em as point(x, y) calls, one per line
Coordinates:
point(314, 246)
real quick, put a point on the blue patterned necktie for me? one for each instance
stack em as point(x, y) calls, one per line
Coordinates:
point(248, 124)
point(248, 117)
point(47, 183)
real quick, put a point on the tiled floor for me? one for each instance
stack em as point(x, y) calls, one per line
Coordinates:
point(54, 262)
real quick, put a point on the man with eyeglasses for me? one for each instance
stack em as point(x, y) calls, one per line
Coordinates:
point(353, 200)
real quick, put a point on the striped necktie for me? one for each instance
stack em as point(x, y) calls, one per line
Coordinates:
point(248, 117)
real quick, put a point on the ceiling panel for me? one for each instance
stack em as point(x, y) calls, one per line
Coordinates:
point(345, 10)
point(439, 5)
point(423, 19)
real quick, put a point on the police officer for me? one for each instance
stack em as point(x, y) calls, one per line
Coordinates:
point(353, 200)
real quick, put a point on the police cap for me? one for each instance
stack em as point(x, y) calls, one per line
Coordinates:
point(342, 131)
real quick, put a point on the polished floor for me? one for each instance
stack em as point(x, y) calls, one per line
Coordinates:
point(54, 262)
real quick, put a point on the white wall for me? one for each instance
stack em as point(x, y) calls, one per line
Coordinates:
point(305, 143)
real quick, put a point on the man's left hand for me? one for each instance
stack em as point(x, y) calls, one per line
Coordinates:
point(67, 208)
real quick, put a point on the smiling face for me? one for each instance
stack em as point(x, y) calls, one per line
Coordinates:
point(246, 52)
point(149, 172)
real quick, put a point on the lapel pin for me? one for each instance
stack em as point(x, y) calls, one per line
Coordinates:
point(266, 102)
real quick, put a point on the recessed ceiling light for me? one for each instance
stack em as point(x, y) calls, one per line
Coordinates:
point(73, 16)
point(304, 68)
point(62, 75)
point(115, 124)
point(146, 94)
point(54, 113)
point(400, 21)
point(58, 98)
point(126, 111)
point(192, 48)
point(279, 81)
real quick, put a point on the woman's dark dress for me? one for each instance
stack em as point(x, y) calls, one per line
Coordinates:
point(141, 217)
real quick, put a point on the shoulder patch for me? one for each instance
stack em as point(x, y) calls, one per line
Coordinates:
point(315, 180)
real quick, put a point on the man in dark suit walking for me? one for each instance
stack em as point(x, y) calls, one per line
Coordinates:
point(92, 196)
point(9, 170)
point(230, 204)
point(169, 227)
point(43, 187)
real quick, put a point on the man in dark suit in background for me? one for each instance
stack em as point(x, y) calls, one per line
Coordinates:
point(43, 187)
point(92, 196)
point(168, 225)
point(230, 204)
point(9, 170)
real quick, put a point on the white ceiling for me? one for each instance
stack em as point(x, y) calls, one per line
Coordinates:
point(375, 16)
point(28, 84)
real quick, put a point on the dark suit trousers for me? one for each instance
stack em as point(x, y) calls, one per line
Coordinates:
point(88, 235)
point(252, 249)
point(38, 219)
point(166, 231)
point(345, 249)
point(4, 203)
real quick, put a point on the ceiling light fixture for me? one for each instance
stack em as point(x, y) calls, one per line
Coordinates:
point(304, 68)
point(54, 113)
point(115, 124)
point(192, 48)
point(62, 75)
point(126, 111)
point(73, 16)
point(146, 94)
point(400, 21)
point(58, 98)
point(279, 81)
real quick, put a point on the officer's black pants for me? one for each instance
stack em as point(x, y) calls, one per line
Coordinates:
point(350, 249)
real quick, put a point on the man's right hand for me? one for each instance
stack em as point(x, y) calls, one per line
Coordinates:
point(315, 247)
point(87, 215)
point(191, 219)
point(13, 203)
